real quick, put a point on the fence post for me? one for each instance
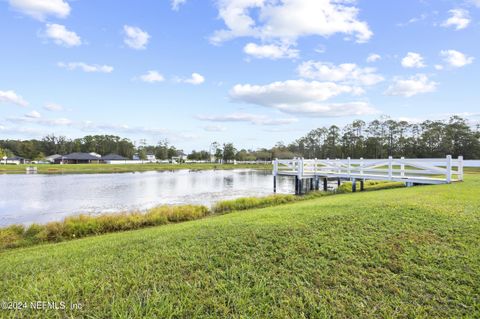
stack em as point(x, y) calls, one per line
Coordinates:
point(402, 168)
point(390, 167)
point(348, 169)
point(460, 168)
point(449, 169)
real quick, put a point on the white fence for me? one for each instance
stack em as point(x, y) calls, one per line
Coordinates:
point(419, 170)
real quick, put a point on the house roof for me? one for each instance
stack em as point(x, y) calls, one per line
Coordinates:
point(114, 157)
point(52, 157)
point(80, 157)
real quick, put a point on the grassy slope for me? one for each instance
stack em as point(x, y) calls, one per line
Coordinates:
point(396, 253)
point(110, 168)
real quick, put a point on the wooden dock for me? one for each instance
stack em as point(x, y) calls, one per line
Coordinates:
point(310, 173)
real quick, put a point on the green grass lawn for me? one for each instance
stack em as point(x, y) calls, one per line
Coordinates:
point(122, 168)
point(409, 252)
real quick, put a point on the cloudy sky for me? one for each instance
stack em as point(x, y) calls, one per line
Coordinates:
point(251, 72)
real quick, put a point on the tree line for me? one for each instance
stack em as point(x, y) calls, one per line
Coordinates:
point(100, 144)
point(386, 137)
point(379, 138)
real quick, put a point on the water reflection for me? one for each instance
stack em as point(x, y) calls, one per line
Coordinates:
point(42, 198)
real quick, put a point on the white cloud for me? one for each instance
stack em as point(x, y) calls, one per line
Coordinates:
point(155, 132)
point(135, 37)
point(40, 121)
point(302, 97)
point(62, 36)
point(195, 79)
point(53, 107)
point(12, 98)
point(270, 51)
point(417, 84)
point(455, 58)
point(247, 117)
point(413, 60)
point(290, 19)
point(345, 73)
point(89, 68)
point(40, 9)
point(33, 115)
point(438, 67)
point(373, 58)
point(422, 17)
point(460, 19)
point(152, 77)
point(215, 128)
point(177, 3)
point(288, 92)
point(475, 2)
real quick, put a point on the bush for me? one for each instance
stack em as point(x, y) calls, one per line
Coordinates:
point(252, 202)
point(11, 237)
point(369, 186)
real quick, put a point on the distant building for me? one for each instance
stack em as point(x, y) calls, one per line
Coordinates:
point(181, 155)
point(151, 158)
point(78, 158)
point(52, 158)
point(114, 159)
point(16, 160)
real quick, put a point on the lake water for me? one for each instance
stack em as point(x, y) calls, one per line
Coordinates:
point(39, 198)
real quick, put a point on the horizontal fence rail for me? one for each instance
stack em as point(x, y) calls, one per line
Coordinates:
point(416, 171)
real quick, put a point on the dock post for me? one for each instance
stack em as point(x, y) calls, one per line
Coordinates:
point(325, 184)
point(354, 185)
point(339, 182)
point(296, 185)
point(275, 173)
point(362, 185)
point(317, 183)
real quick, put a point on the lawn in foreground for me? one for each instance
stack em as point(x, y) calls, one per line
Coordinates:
point(395, 253)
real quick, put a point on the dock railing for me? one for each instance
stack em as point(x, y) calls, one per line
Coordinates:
point(418, 170)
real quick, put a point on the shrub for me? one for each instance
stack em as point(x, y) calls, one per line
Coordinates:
point(11, 237)
point(369, 186)
point(252, 202)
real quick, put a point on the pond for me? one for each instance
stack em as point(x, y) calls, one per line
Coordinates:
point(39, 198)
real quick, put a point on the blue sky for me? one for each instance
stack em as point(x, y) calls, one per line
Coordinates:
point(251, 72)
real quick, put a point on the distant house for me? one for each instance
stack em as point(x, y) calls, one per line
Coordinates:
point(151, 158)
point(180, 157)
point(52, 158)
point(78, 158)
point(16, 160)
point(114, 159)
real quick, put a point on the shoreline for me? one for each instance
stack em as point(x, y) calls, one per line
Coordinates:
point(122, 168)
